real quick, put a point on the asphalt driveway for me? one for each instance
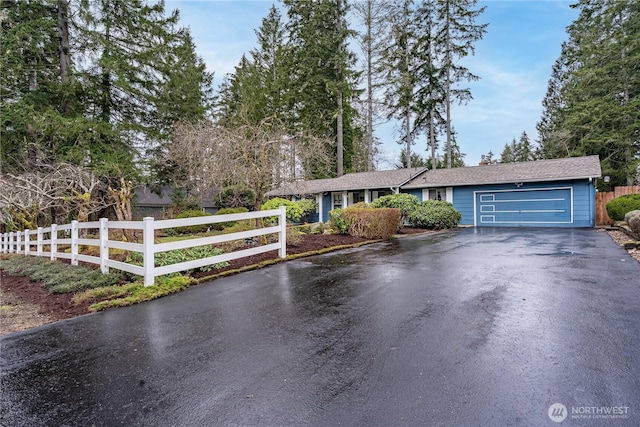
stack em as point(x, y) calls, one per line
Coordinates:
point(485, 327)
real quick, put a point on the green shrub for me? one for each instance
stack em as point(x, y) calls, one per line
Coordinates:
point(294, 211)
point(307, 206)
point(192, 229)
point(136, 294)
point(59, 277)
point(227, 211)
point(235, 196)
point(381, 223)
point(405, 202)
point(182, 255)
point(619, 206)
point(339, 222)
point(434, 214)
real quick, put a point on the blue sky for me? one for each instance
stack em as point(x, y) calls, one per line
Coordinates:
point(513, 59)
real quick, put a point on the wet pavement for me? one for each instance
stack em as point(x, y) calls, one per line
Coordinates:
point(483, 327)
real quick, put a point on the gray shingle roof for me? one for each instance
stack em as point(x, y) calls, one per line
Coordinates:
point(351, 181)
point(540, 170)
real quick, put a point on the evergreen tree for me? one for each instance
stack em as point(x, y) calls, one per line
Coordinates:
point(372, 14)
point(322, 77)
point(398, 63)
point(430, 96)
point(455, 37)
point(258, 87)
point(122, 45)
point(417, 161)
point(507, 152)
point(596, 110)
point(32, 104)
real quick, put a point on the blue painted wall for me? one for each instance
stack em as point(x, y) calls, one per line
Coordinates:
point(326, 207)
point(583, 201)
point(415, 192)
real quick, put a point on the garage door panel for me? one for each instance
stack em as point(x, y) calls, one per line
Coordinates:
point(524, 207)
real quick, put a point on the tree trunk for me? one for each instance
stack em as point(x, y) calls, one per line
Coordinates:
point(63, 48)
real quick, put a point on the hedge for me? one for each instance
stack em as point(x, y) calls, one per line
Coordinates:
point(619, 206)
point(294, 211)
point(434, 214)
point(379, 223)
point(192, 229)
point(228, 211)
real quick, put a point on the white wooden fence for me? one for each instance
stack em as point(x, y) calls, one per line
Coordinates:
point(50, 238)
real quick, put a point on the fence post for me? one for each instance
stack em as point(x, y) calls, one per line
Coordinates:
point(54, 241)
point(148, 256)
point(11, 242)
point(18, 242)
point(104, 249)
point(26, 242)
point(74, 242)
point(39, 242)
point(4, 242)
point(282, 222)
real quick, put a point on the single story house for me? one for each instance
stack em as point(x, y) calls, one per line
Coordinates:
point(543, 193)
point(147, 202)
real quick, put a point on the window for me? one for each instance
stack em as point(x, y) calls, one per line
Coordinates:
point(358, 196)
point(438, 194)
point(336, 200)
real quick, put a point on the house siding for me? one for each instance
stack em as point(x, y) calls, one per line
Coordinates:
point(583, 201)
point(414, 192)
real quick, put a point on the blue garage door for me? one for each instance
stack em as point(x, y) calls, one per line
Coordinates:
point(533, 207)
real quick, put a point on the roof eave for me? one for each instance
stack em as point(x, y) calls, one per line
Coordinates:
point(426, 184)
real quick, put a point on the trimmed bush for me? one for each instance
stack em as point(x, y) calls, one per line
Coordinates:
point(618, 207)
point(235, 196)
point(369, 223)
point(434, 214)
point(228, 211)
point(192, 229)
point(307, 206)
point(405, 202)
point(294, 211)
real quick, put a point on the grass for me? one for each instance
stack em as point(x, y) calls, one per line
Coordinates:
point(121, 296)
point(58, 277)
point(112, 290)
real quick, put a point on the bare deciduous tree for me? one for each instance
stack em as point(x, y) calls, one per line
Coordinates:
point(52, 193)
point(256, 156)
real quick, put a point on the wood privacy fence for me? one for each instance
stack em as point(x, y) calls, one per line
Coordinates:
point(48, 241)
point(602, 218)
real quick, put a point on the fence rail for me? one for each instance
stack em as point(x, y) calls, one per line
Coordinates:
point(602, 198)
point(67, 236)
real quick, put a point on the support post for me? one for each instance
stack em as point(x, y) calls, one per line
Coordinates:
point(282, 222)
point(39, 242)
point(148, 256)
point(74, 242)
point(27, 249)
point(104, 249)
point(54, 241)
